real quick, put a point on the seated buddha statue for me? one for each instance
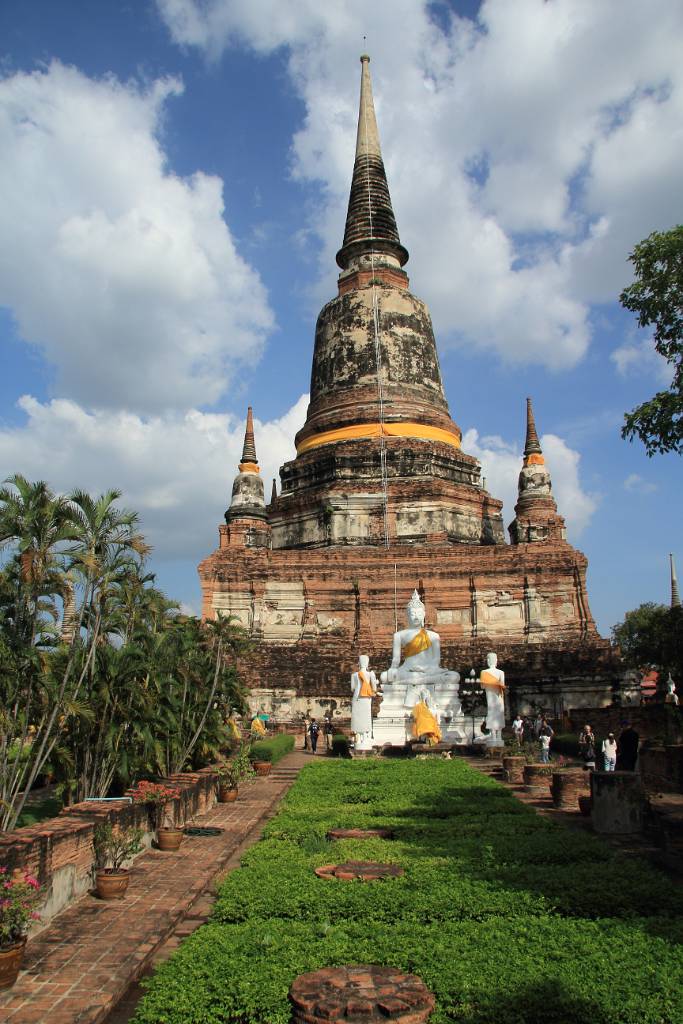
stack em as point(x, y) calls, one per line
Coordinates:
point(416, 659)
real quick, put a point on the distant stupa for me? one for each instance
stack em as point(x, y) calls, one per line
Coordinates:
point(381, 499)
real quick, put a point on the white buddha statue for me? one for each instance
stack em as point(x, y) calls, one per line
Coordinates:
point(363, 689)
point(493, 681)
point(416, 662)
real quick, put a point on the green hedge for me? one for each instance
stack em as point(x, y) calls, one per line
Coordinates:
point(271, 749)
point(508, 917)
point(566, 743)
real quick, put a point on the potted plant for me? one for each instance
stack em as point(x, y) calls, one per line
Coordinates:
point(261, 757)
point(156, 794)
point(18, 902)
point(232, 773)
point(113, 847)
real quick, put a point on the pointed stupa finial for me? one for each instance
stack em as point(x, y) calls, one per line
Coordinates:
point(249, 463)
point(273, 493)
point(367, 136)
point(533, 453)
point(370, 222)
point(675, 595)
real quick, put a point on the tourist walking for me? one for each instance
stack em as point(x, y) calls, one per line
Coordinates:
point(587, 744)
point(518, 729)
point(313, 732)
point(328, 730)
point(609, 752)
point(627, 748)
point(544, 743)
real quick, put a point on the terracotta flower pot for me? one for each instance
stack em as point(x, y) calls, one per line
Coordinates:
point(10, 963)
point(227, 794)
point(111, 885)
point(262, 767)
point(169, 838)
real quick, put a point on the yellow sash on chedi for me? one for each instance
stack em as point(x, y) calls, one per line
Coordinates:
point(420, 642)
point(488, 679)
point(366, 689)
point(425, 724)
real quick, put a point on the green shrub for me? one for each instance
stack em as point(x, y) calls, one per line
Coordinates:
point(340, 746)
point(271, 749)
point(527, 971)
point(565, 743)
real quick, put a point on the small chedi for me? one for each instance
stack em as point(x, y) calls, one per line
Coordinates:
point(381, 500)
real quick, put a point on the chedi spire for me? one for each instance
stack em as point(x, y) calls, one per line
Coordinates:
point(370, 222)
point(532, 446)
point(247, 501)
point(675, 595)
point(536, 516)
point(249, 463)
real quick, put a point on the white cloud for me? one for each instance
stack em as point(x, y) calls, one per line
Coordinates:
point(640, 358)
point(176, 470)
point(502, 461)
point(527, 152)
point(636, 484)
point(125, 275)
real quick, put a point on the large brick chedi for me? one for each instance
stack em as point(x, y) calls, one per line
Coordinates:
point(381, 499)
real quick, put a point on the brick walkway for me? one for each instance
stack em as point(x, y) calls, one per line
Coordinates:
point(78, 968)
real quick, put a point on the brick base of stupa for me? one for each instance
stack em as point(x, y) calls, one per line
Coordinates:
point(311, 612)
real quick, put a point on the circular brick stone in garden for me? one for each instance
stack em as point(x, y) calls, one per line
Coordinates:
point(360, 833)
point(363, 870)
point(364, 993)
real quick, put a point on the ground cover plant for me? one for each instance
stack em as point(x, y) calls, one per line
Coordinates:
point(509, 918)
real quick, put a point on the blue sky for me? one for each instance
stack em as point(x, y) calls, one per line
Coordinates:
point(173, 189)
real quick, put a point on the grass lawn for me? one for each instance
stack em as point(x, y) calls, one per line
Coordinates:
point(507, 917)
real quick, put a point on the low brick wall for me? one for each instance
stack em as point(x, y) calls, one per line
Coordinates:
point(661, 768)
point(651, 721)
point(59, 852)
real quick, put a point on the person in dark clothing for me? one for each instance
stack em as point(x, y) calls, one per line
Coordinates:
point(627, 748)
point(328, 730)
point(313, 732)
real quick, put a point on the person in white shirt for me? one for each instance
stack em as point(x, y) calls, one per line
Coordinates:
point(609, 752)
point(544, 741)
point(518, 729)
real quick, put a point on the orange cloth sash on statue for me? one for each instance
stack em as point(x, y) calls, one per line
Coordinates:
point(488, 679)
point(359, 431)
point(366, 689)
point(420, 642)
point(425, 724)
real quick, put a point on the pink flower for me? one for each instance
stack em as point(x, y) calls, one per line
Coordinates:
point(33, 882)
point(35, 917)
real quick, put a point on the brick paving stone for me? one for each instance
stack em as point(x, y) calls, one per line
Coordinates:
point(83, 962)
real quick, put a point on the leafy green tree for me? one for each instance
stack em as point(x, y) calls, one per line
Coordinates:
point(656, 296)
point(127, 686)
point(652, 634)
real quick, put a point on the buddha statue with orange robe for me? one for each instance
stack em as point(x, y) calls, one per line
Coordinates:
point(416, 659)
